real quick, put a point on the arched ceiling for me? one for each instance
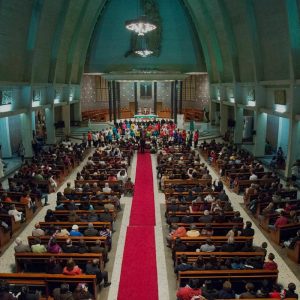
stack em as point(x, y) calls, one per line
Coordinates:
point(47, 41)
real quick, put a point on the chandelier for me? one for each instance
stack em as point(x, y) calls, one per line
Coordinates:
point(143, 52)
point(141, 25)
point(142, 48)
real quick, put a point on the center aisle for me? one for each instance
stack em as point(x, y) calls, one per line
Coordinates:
point(139, 273)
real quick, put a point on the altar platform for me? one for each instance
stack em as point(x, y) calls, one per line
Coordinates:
point(148, 116)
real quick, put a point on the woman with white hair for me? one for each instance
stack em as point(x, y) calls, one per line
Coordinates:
point(106, 188)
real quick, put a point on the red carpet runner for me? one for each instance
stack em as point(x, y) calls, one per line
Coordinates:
point(139, 274)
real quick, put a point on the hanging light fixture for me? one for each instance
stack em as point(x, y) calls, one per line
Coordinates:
point(142, 49)
point(140, 25)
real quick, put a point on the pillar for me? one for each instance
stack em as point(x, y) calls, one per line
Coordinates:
point(118, 99)
point(260, 136)
point(26, 132)
point(5, 138)
point(293, 146)
point(77, 111)
point(223, 118)
point(175, 100)
point(239, 125)
point(180, 96)
point(114, 101)
point(66, 119)
point(155, 97)
point(110, 100)
point(212, 112)
point(33, 120)
point(135, 98)
point(50, 120)
point(172, 100)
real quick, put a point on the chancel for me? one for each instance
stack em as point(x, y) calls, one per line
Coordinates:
point(149, 149)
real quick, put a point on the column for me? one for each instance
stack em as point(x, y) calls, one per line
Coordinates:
point(66, 119)
point(135, 98)
point(50, 120)
point(239, 125)
point(175, 100)
point(118, 99)
point(77, 111)
point(26, 132)
point(5, 138)
point(212, 112)
point(293, 146)
point(223, 118)
point(180, 96)
point(260, 134)
point(172, 100)
point(155, 97)
point(114, 101)
point(110, 100)
point(33, 119)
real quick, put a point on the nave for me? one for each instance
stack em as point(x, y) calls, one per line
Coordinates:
point(121, 243)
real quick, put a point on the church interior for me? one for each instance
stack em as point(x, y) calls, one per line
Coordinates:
point(149, 149)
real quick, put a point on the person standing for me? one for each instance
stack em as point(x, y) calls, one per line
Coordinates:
point(142, 144)
point(89, 138)
point(196, 138)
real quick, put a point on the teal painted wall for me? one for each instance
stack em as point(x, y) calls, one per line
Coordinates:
point(111, 40)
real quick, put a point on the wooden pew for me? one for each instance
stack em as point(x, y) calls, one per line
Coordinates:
point(4, 236)
point(190, 182)
point(47, 282)
point(217, 240)
point(43, 184)
point(82, 259)
point(231, 275)
point(243, 184)
point(63, 214)
point(10, 221)
point(294, 254)
point(177, 194)
point(89, 240)
point(99, 182)
point(192, 256)
point(219, 228)
point(284, 232)
point(82, 225)
point(28, 212)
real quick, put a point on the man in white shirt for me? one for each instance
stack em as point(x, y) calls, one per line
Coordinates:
point(253, 176)
point(106, 189)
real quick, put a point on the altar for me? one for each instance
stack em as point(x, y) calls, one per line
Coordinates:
point(146, 116)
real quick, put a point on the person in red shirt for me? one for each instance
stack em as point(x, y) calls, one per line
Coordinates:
point(6, 198)
point(189, 291)
point(176, 232)
point(89, 138)
point(196, 138)
point(71, 268)
point(282, 220)
point(270, 264)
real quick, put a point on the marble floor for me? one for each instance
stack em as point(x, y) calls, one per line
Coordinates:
point(166, 276)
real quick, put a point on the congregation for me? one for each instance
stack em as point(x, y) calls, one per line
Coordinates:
point(214, 255)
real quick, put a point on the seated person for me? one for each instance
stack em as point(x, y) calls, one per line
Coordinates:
point(68, 247)
point(190, 291)
point(128, 188)
point(71, 268)
point(270, 264)
point(93, 269)
point(183, 265)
